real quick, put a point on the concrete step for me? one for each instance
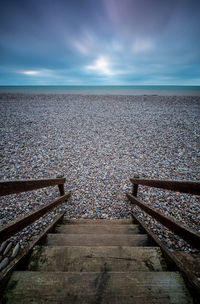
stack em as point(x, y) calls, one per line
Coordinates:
point(81, 221)
point(98, 228)
point(96, 259)
point(62, 239)
point(79, 287)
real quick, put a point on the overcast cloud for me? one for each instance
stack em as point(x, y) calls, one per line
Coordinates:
point(87, 42)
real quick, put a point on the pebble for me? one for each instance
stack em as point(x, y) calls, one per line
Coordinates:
point(3, 246)
point(7, 248)
point(98, 143)
point(15, 251)
point(4, 263)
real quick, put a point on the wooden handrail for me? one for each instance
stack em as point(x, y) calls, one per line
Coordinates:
point(191, 279)
point(19, 224)
point(11, 187)
point(192, 187)
point(187, 234)
point(26, 252)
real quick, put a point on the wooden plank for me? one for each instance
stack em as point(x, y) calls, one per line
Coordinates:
point(172, 261)
point(192, 187)
point(187, 234)
point(100, 229)
point(11, 187)
point(190, 260)
point(12, 266)
point(96, 259)
point(19, 224)
point(97, 240)
point(81, 221)
point(97, 287)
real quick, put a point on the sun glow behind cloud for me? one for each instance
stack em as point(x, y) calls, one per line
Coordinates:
point(101, 65)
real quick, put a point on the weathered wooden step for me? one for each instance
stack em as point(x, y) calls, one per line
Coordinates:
point(79, 287)
point(96, 259)
point(124, 221)
point(61, 239)
point(100, 229)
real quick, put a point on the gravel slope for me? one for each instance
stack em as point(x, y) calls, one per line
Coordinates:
point(97, 143)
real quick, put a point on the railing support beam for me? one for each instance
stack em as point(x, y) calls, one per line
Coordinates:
point(187, 234)
point(28, 219)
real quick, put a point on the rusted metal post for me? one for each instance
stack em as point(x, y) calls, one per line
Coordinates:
point(135, 186)
point(61, 187)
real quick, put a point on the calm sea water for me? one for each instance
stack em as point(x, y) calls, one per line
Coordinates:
point(118, 90)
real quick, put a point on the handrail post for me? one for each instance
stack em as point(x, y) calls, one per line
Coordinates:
point(61, 186)
point(135, 186)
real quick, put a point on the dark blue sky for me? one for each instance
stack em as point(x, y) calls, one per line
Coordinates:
point(90, 42)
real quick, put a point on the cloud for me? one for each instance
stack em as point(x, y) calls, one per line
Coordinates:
point(84, 44)
point(101, 65)
point(39, 72)
point(99, 41)
point(141, 45)
point(81, 47)
point(30, 72)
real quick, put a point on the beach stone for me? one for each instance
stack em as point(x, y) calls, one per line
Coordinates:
point(4, 263)
point(3, 246)
point(7, 249)
point(15, 251)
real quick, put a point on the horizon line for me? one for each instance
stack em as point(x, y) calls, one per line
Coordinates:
point(97, 85)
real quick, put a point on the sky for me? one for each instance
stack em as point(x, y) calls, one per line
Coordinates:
point(100, 42)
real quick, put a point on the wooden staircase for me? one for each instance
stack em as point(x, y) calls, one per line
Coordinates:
point(97, 261)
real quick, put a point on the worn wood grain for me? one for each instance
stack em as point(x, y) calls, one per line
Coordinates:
point(97, 240)
point(104, 287)
point(98, 228)
point(96, 259)
point(81, 221)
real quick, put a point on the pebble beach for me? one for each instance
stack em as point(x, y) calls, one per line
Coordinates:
point(98, 142)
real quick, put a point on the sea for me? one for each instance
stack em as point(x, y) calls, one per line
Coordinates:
point(169, 90)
